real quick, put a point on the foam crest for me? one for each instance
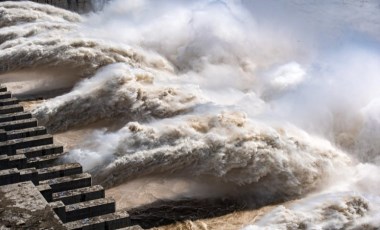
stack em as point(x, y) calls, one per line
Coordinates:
point(118, 91)
point(334, 211)
point(242, 94)
point(40, 37)
point(13, 13)
point(228, 148)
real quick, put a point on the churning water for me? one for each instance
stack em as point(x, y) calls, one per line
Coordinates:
point(268, 101)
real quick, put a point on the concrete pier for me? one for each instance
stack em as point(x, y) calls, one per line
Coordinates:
point(10, 147)
point(19, 124)
point(69, 182)
point(7, 109)
point(9, 176)
point(43, 161)
point(89, 209)
point(59, 171)
point(15, 116)
point(27, 132)
point(38, 151)
point(80, 195)
point(16, 161)
point(8, 101)
point(4, 95)
point(48, 194)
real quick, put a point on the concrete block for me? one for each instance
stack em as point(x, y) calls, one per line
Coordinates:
point(8, 101)
point(19, 124)
point(9, 176)
point(3, 135)
point(59, 171)
point(4, 95)
point(4, 163)
point(16, 161)
point(4, 159)
point(69, 182)
point(115, 220)
point(10, 147)
point(46, 192)
point(15, 116)
point(11, 109)
point(89, 209)
point(80, 195)
point(40, 150)
point(3, 88)
point(43, 161)
point(28, 132)
point(59, 208)
point(29, 174)
point(6, 148)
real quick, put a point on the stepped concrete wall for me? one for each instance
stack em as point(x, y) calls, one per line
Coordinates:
point(38, 192)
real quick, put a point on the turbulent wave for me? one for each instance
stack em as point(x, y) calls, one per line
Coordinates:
point(341, 211)
point(38, 36)
point(275, 164)
point(118, 91)
point(215, 91)
point(13, 13)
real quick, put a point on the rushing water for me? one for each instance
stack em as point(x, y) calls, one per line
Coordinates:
point(260, 101)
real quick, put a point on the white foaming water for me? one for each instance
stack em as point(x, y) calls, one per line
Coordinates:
point(275, 100)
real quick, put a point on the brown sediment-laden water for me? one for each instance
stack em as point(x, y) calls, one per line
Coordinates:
point(262, 114)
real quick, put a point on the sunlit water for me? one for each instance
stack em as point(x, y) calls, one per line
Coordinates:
point(267, 108)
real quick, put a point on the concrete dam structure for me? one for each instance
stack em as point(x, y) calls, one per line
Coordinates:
point(80, 6)
point(37, 191)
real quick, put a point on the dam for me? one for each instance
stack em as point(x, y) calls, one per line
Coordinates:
point(37, 191)
point(190, 114)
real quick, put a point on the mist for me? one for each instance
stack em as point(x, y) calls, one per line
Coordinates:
point(273, 98)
